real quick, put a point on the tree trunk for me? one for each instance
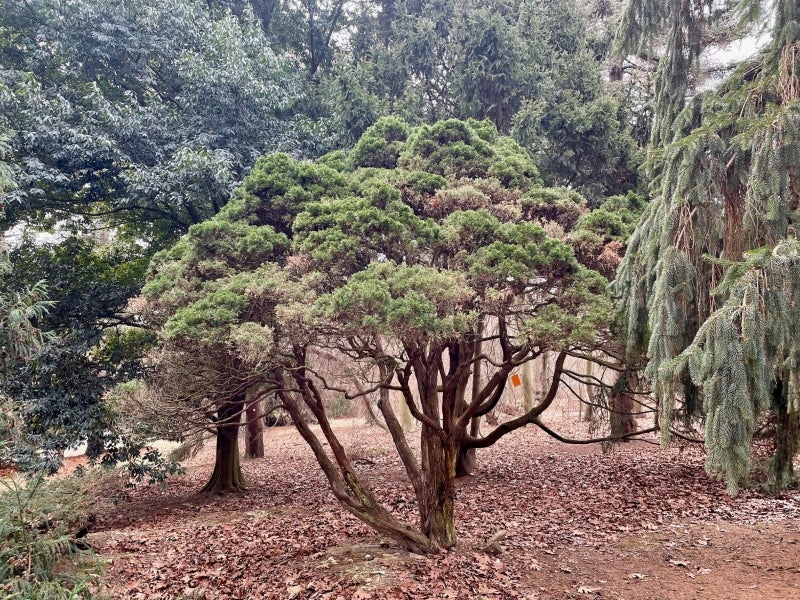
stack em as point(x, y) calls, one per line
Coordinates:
point(787, 425)
point(590, 392)
point(544, 379)
point(347, 487)
point(254, 446)
point(467, 460)
point(622, 421)
point(373, 415)
point(528, 395)
point(227, 475)
point(734, 242)
point(404, 415)
point(437, 500)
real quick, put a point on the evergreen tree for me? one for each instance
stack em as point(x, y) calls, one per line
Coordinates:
point(415, 260)
point(143, 115)
point(710, 277)
point(140, 117)
point(532, 67)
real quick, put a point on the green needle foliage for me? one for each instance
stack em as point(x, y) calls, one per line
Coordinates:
point(393, 260)
point(20, 311)
point(39, 558)
point(710, 277)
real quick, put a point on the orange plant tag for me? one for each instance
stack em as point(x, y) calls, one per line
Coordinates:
point(515, 380)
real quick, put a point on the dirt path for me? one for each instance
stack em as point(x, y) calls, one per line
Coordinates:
point(635, 523)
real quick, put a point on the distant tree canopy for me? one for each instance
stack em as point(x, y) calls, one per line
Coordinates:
point(140, 118)
point(21, 310)
point(58, 391)
point(710, 280)
point(532, 67)
point(143, 114)
point(422, 257)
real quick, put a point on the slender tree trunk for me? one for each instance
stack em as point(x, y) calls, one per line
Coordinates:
point(254, 447)
point(373, 415)
point(787, 425)
point(353, 494)
point(544, 379)
point(467, 460)
point(589, 414)
point(227, 475)
point(404, 415)
point(528, 396)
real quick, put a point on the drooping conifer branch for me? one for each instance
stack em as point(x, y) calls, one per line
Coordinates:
point(726, 184)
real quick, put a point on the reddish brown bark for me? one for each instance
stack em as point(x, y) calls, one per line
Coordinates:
point(351, 492)
point(227, 475)
point(622, 420)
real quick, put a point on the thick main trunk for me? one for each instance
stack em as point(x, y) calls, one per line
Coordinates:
point(437, 500)
point(227, 475)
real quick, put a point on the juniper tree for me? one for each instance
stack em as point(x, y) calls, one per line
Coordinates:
point(212, 298)
point(709, 277)
point(416, 257)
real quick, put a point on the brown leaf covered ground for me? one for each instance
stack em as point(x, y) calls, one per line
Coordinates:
point(634, 523)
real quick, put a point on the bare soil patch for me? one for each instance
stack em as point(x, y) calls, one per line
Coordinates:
point(633, 523)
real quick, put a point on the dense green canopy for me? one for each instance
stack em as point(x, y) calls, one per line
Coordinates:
point(143, 114)
point(409, 251)
point(532, 67)
point(453, 199)
point(710, 276)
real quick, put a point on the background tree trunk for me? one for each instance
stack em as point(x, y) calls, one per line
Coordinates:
point(622, 421)
point(588, 414)
point(544, 379)
point(467, 460)
point(254, 446)
point(528, 396)
point(787, 424)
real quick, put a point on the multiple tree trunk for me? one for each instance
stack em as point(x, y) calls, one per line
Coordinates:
point(449, 434)
point(436, 395)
